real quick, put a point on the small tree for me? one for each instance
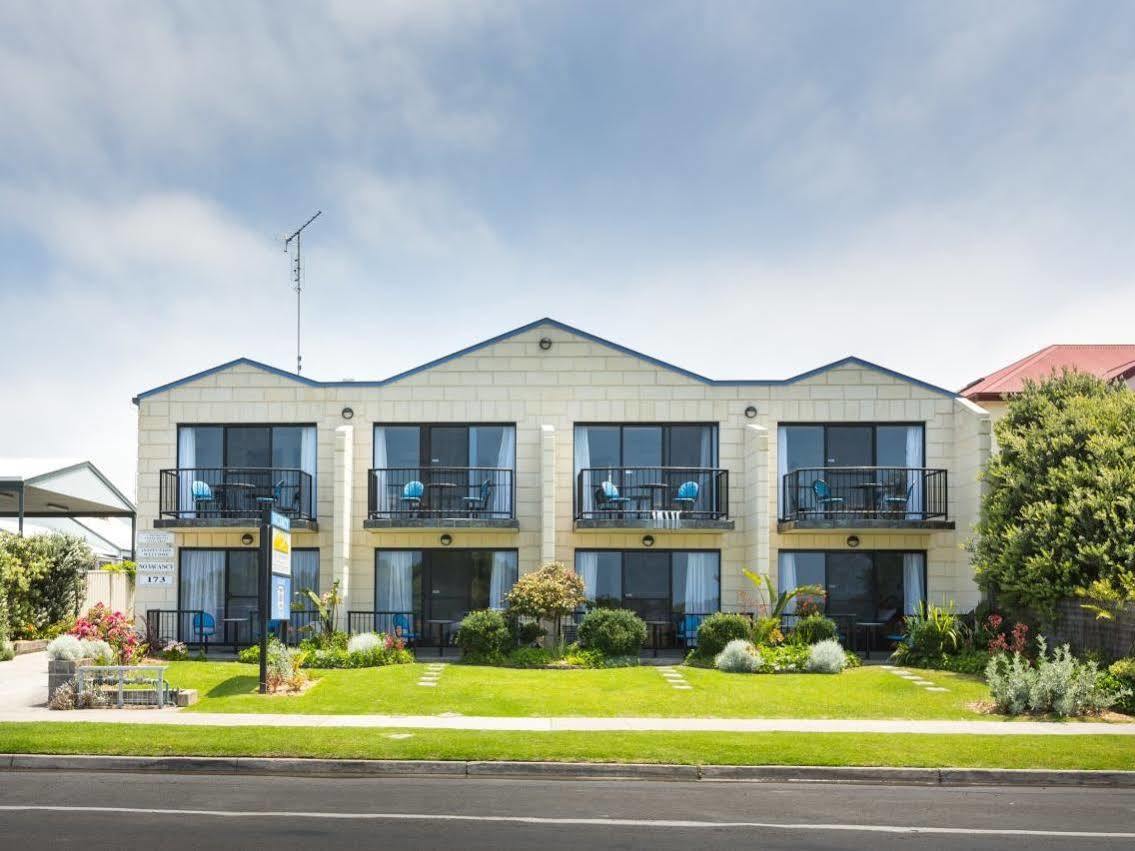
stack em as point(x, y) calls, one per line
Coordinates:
point(326, 608)
point(778, 603)
point(1059, 511)
point(550, 592)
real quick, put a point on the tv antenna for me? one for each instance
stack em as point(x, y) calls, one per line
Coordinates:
point(297, 280)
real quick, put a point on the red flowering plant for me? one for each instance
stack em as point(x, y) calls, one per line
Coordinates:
point(1018, 641)
point(115, 629)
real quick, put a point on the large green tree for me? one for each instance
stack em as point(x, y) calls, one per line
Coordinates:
point(1059, 513)
point(43, 579)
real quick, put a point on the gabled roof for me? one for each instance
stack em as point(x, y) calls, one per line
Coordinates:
point(47, 483)
point(550, 323)
point(1107, 361)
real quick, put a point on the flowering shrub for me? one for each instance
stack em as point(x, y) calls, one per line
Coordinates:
point(826, 657)
point(364, 642)
point(999, 644)
point(284, 668)
point(738, 657)
point(115, 629)
point(1059, 686)
point(174, 651)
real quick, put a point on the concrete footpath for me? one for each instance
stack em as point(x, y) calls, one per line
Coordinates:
point(564, 724)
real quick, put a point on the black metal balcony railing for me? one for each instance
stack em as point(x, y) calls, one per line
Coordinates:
point(435, 492)
point(642, 493)
point(205, 493)
point(864, 493)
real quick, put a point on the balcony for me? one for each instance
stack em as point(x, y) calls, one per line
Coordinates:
point(441, 498)
point(676, 498)
point(227, 497)
point(909, 498)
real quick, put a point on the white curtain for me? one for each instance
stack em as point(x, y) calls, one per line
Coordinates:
point(502, 579)
point(394, 585)
point(707, 493)
point(587, 566)
point(305, 573)
point(582, 462)
point(701, 592)
point(913, 592)
point(186, 457)
point(786, 580)
point(203, 585)
point(914, 460)
point(383, 493)
point(506, 460)
point(307, 464)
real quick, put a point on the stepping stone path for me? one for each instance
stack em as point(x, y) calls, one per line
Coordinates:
point(915, 679)
point(430, 676)
point(675, 678)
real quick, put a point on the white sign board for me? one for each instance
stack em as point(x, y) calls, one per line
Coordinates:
point(155, 539)
point(154, 557)
point(281, 552)
point(157, 567)
point(155, 579)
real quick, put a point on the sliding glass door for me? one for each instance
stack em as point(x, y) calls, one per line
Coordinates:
point(862, 585)
point(657, 585)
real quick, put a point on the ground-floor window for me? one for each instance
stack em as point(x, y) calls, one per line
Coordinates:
point(442, 585)
point(877, 586)
point(223, 585)
point(658, 585)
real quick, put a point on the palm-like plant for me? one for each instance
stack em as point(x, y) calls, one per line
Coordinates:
point(778, 603)
point(326, 606)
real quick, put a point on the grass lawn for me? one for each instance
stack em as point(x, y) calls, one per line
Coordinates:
point(870, 692)
point(936, 751)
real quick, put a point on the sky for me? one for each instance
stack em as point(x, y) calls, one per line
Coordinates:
point(747, 190)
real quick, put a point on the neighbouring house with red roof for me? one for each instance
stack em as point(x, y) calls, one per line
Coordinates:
point(1114, 362)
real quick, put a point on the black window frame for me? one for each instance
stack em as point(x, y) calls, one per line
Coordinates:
point(669, 569)
point(715, 440)
point(427, 568)
point(874, 425)
point(424, 436)
point(225, 444)
point(825, 552)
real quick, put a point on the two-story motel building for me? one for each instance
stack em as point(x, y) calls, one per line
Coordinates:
point(425, 494)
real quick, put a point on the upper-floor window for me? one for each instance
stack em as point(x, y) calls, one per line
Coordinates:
point(416, 446)
point(851, 445)
point(255, 446)
point(645, 445)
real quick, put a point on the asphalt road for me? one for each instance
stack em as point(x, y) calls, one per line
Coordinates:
point(117, 810)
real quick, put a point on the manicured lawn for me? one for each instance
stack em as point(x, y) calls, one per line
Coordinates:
point(939, 751)
point(861, 693)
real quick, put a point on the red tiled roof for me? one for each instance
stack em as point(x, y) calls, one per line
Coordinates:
point(1106, 361)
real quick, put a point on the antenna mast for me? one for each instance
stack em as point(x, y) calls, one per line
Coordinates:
point(297, 280)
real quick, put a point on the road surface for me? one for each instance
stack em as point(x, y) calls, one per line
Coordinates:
point(119, 810)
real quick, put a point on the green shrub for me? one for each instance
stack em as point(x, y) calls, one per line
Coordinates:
point(930, 637)
point(7, 651)
point(484, 634)
point(529, 657)
point(826, 657)
point(613, 632)
point(1121, 676)
point(766, 631)
point(43, 580)
point(525, 632)
point(785, 659)
point(550, 592)
point(718, 630)
point(251, 655)
point(814, 629)
point(1060, 686)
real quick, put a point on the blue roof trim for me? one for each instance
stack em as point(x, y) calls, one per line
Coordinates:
point(693, 376)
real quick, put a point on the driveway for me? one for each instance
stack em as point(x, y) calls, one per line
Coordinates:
point(23, 682)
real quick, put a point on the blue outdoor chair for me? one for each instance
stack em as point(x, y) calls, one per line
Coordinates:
point(687, 629)
point(481, 501)
point(278, 493)
point(687, 495)
point(899, 503)
point(402, 628)
point(204, 625)
point(824, 496)
point(607, 496)
point(202, 495)
point(412, 493)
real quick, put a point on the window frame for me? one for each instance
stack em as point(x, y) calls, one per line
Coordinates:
point(669, 551)
point(665, 426)
point(427, 568)
point(874, 425)
point(425, 435)
point(225, 443)
point(825, 552)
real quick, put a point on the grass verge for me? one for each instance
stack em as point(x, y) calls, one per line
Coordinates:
point(868, 749)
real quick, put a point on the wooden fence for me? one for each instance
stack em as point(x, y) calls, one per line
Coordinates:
point(111, 589)
point(1079, 628)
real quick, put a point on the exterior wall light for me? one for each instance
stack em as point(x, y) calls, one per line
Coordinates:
point(853, 541)
point(246, 539)
point(648, 540)
point(750, 412)
point(446, 539)
point(347, 413)
point(545, 343)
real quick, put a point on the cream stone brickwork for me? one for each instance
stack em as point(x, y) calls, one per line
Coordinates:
point(580, 379)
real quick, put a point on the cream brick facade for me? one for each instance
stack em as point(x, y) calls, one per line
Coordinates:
point(580, 379)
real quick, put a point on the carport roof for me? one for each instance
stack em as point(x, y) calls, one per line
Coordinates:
point(55, 487)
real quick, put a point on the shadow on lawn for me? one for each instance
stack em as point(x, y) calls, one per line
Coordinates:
point(235, 686)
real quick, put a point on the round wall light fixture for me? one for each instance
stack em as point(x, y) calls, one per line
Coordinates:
point(545, 343)
point(446, 539)
point(648, 540)
point(347, 413)
point(750, 412)
point(853, 541)
point(246, 539)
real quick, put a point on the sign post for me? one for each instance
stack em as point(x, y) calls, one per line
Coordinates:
point(275, 585)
